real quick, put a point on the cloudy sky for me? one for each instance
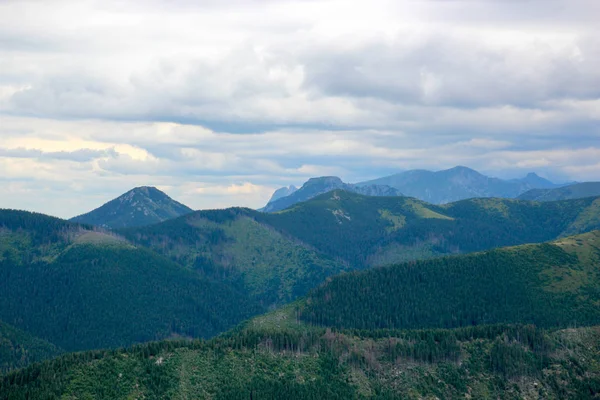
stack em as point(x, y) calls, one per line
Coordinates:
point(220, 103)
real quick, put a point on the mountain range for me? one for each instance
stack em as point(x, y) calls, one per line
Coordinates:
point(145, 205)
point(439, 187)
point(341, 295)
point(55, 273)
point(316, 186)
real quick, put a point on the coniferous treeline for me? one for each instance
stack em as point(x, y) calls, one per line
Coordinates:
point(498, 286)
point(42, 229)
point(249, 363)
point(19, 349)
point(94, 296)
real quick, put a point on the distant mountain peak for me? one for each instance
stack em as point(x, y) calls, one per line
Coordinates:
point(534, 181)
point(462, 168)
point(323, 184)
point(438, 187)
point(458, 183)
point(327, 180)
point(143, 205)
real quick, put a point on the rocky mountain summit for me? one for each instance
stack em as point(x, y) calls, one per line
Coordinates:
point(140, 206)
point(316, 186)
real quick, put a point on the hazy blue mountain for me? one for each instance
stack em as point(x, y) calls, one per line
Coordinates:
point(140, 206)
point(575, 191)
point(456, 184)
point(534, 180)
point(282, 192)
point(316, 186)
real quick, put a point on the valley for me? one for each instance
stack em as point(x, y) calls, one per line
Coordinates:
point(362, 352)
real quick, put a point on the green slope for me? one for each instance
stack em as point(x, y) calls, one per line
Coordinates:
point(82, 289)
point(280, 355)
point(575, 191)
point(368, 231)
point(277, 257)
point(231, 246)
point(489, 362)
point(554, 284)
point(18, 348)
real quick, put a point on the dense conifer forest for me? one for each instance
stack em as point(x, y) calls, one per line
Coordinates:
point(549, 285)
point(273, 358)
point(503, 323)
point(83, 289)
point(18, 348)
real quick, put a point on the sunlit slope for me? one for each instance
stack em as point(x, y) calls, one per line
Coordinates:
point(367, 231)
point(231, 246)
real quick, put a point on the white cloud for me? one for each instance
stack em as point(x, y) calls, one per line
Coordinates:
point(235, 98)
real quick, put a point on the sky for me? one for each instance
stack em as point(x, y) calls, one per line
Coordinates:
point(220, 102)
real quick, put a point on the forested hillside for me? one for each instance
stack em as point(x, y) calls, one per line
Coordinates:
point(18, 348)
point(367, 231)
point(354, 337)
point(575, 191)
point(272, 358)
point(354, 230)
point(82, 289)
point(60, 272)
point(550, 285)
point(277, 257)
point(229, 245)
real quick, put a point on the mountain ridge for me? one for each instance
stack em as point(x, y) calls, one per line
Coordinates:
point(574, 191)
point(436, 187)
point(458, 183)
point(316, 186)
